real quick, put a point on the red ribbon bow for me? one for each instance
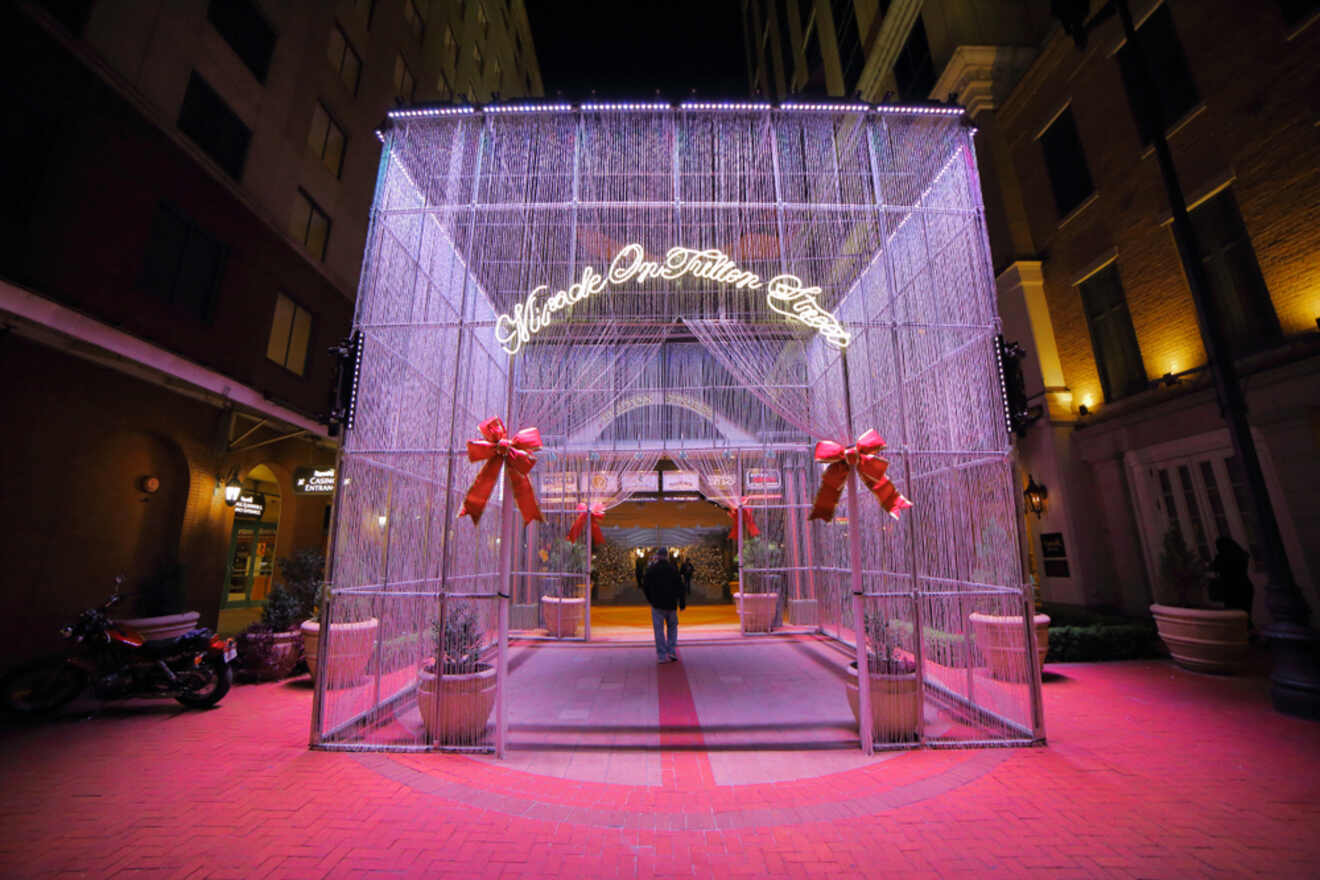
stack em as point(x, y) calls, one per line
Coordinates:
point(497, 449)
point(597, 514)
point(746, 518)
point(870, 467)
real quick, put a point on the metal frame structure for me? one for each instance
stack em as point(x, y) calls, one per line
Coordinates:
point(484, 216)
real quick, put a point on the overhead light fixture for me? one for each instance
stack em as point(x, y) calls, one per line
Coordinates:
point(233, 488)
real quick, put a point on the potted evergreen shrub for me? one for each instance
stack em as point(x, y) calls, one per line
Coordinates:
point(456, 703)
point(562, 604)
point(352, 636)
point(1198, 637)
point(758, 603)
point(892, 671)
point(269, 649)
point(159, 604)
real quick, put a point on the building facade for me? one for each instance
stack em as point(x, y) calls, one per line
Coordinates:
point(1128, 438)
point(182, 240)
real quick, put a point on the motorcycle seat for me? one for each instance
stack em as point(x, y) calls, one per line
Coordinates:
point(196, 639)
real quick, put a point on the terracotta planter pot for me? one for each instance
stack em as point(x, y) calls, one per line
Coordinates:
point(562, 616)
point(269, 656)
point(351, 645)
point(169, 626)
point(757, 610)
point(458, 715)
point(1204, 640)
point(895, 704)
point(1002, 642)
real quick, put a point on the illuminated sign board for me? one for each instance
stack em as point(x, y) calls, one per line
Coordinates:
point(721, 484)
point(313, 481)
point(761, 479)
point(250, 505)
point(784, 294)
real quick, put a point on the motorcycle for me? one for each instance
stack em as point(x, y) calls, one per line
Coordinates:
point(195, 668)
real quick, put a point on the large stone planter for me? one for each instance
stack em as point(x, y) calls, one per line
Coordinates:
point(895, 704)
point(269, 656)
point(1002, 641)
point(351, 645)
point(456, 711)
point(563, 616)
point(757, 610)
point(1204, 640)
point(168, 626)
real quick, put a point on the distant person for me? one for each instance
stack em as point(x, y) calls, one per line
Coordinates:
point(686, 570)
point(1232, 585)
point(663, 587)
point(640, 569)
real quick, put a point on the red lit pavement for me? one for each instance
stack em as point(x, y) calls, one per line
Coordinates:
point(1151, 771)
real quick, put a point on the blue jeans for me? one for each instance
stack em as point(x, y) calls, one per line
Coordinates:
point(665, 646)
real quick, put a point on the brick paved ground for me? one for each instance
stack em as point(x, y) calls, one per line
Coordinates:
point(1151, 771)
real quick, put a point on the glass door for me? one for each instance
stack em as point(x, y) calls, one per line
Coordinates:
point(251, 562)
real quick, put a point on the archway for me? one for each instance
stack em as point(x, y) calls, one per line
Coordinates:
point(560, 267)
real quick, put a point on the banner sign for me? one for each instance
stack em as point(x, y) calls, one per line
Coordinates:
point(721, 484)
point(313, 481)
point(558, 483)
point(598, 483)
point(681, 481)
point(641, 481)
point(761, 479)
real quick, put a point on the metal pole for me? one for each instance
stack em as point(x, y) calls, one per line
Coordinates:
point(586, 616)
point(506, 571)
point(1295, 679)
point(855, 562)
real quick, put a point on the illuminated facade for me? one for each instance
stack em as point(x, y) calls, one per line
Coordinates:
point(667, 248)
point(1128, 439)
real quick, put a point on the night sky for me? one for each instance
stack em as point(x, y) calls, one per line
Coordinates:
point(630, 48)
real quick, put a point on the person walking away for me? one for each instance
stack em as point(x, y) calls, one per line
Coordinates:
point(664, 591)
point(1232, 585)
point(686, 570)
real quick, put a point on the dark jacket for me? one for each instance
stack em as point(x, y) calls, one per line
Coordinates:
point(663, 586)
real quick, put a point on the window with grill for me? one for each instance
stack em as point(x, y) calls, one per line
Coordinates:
point(914, 71)
point(346, 62)
point(1238, 295)
point(1065, 162)
point(244, 28)
point(309, 224)
point(326, 139)
point(290, 331)
point(1113, 341)
point(183, 264)
point(404, 83)
point(1175, 93)
point(414, 18)
point(208, 121)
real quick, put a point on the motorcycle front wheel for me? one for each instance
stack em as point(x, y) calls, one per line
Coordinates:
point(204, 685)
point(41, 688)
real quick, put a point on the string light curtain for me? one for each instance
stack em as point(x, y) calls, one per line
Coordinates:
point(719, 285)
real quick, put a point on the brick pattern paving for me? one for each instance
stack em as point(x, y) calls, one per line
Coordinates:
point(1151, 772)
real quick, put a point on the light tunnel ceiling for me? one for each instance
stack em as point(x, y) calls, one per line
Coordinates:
point(533, 198)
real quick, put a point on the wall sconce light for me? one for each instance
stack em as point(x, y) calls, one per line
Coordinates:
point(1035, 495)
point(233, 488)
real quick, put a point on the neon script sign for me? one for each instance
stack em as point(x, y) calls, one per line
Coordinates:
point(784, 294)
